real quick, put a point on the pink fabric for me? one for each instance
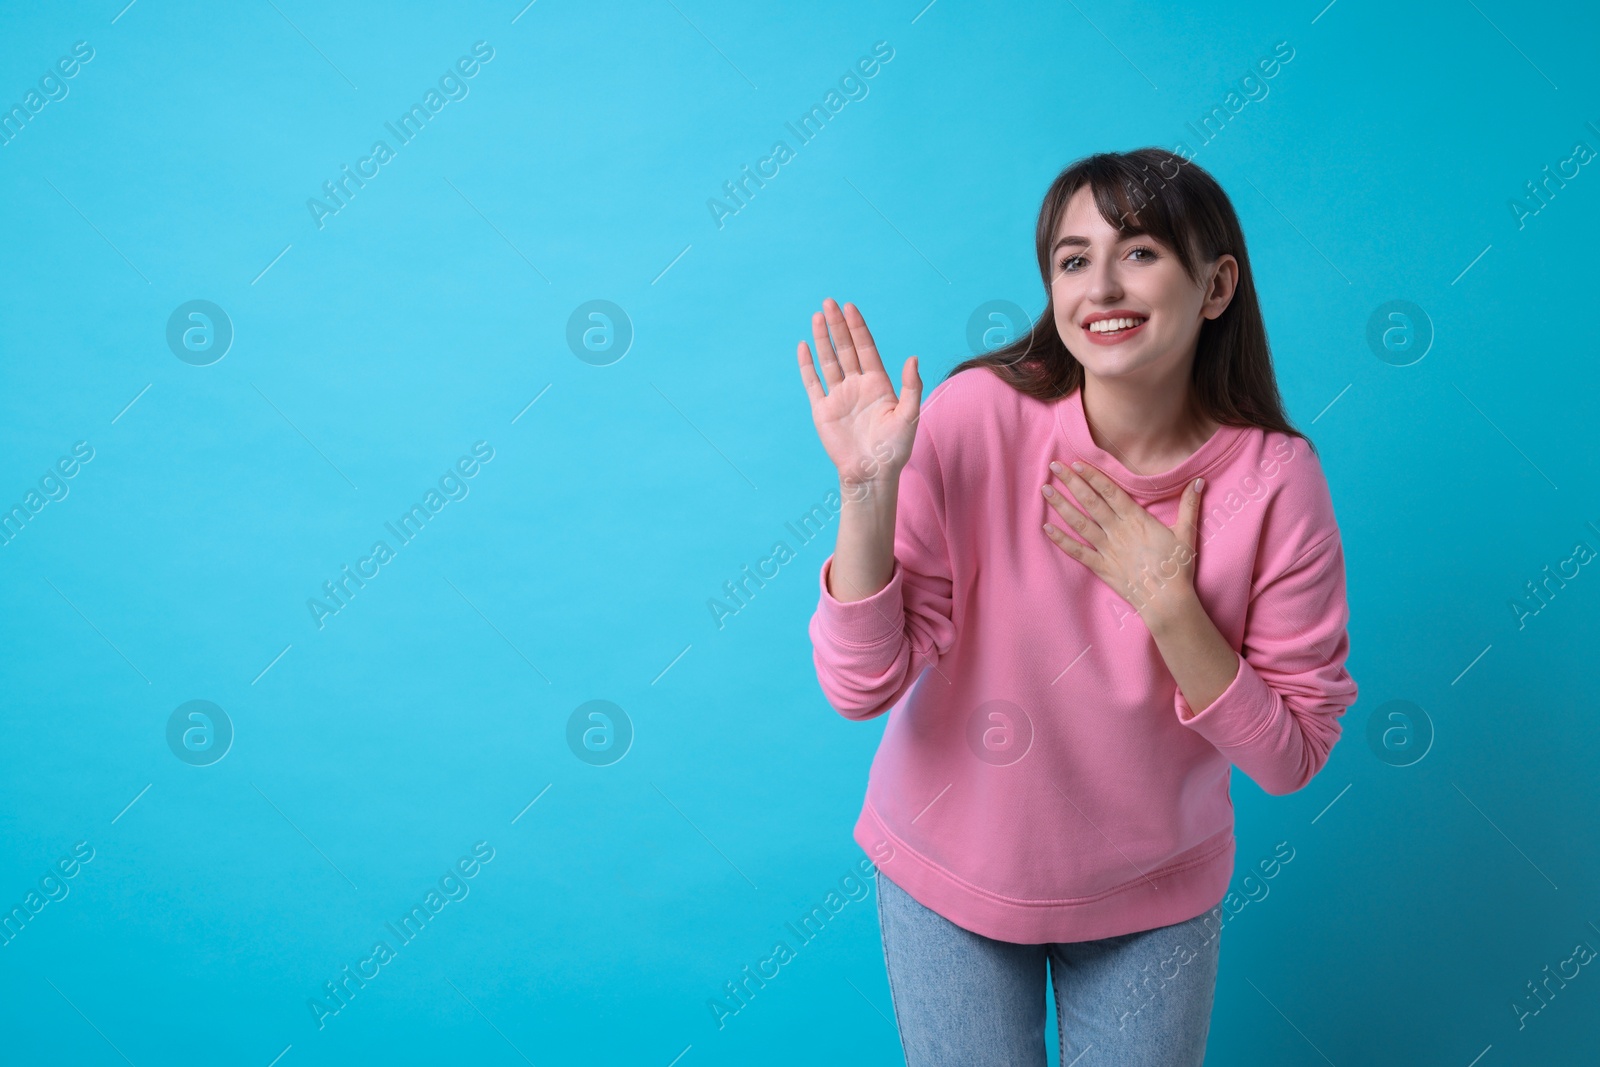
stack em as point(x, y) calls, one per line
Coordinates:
point(1036, 780)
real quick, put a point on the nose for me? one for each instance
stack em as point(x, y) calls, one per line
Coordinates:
point(1105, 283)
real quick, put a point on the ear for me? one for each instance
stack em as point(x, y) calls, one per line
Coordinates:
point(1224, 281)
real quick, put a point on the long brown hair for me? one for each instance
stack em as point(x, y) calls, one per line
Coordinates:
point(1152, 191)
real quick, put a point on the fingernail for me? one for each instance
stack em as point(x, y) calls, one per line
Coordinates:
point(1199, 484)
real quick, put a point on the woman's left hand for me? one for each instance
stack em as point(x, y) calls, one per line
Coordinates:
point(1148, 564)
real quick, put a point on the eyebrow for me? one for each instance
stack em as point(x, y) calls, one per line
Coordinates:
point(1074, 239)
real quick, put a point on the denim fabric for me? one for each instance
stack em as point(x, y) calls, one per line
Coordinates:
point(965, 1000)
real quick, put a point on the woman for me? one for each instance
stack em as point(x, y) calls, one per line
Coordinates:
point(1120, 562)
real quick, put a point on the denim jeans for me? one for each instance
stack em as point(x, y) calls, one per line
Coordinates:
point(965, 1000)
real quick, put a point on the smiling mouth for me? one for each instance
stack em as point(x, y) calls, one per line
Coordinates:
point(1112, 327)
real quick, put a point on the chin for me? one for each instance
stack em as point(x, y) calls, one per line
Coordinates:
point(1114, 364)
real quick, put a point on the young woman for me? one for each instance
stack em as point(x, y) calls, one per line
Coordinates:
point(1096, 570)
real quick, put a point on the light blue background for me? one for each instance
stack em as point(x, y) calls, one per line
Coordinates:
point(432, 710)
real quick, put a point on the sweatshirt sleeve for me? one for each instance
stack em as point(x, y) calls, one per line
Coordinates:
point(1279, 718)
point(869, 652)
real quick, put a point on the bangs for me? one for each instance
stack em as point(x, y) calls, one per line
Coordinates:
point(1134, 205)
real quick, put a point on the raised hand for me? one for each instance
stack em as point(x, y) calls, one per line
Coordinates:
point(866, 430)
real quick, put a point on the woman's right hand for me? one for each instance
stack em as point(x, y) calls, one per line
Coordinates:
point(866, 430)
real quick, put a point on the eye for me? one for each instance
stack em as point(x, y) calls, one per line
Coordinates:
point(1150, 256)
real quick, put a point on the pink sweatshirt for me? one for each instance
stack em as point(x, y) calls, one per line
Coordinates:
point(1038, 784)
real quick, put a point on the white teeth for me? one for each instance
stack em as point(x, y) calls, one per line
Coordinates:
point(1107, 325)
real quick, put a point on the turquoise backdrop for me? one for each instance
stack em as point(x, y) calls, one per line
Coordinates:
point(493, 285)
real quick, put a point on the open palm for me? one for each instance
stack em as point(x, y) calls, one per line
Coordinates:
point(866, 430)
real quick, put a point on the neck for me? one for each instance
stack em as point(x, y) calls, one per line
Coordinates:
point(1148, 430)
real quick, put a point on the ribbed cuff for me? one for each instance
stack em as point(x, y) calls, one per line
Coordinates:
point(863, 623)
point(1239, 713)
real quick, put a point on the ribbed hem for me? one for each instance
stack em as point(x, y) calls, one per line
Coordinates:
point(1189, 886)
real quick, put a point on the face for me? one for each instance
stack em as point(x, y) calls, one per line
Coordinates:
point(1100, 276)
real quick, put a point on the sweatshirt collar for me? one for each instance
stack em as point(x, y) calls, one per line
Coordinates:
point(1074, 429)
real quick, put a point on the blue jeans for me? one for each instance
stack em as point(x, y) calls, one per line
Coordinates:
point(966, 1000)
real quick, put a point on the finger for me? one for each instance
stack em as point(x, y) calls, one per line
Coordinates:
point(1086, 527)
point(825, 354)
point(1121, 504)
point(1088, 498)
point(866, 349)
point(808, 374)
point(1069, 546)
point(842, 341)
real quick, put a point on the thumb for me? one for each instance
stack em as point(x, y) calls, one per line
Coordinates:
point(1189, 512)
point(910, 405)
